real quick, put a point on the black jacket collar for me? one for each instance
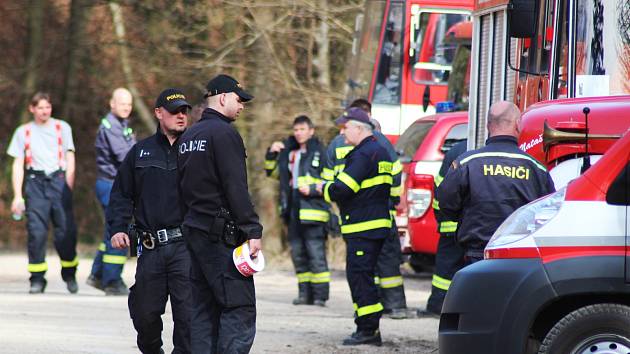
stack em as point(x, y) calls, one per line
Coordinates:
point(209, 113)
point(502, 139)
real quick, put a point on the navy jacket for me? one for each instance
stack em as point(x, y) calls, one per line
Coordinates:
point(484, 186)
point(113, 141)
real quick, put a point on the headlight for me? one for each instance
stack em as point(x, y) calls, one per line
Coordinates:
point(528, 219)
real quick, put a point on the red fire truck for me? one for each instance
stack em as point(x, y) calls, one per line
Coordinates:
point(555, 278)
point(402, 60)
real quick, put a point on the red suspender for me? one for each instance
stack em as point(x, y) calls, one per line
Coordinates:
point(28, 155)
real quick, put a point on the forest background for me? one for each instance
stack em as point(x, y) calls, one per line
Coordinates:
point(292, 55)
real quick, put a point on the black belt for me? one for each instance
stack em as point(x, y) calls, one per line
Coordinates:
point(161, 237)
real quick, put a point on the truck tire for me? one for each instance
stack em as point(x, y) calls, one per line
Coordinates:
point(600, 328)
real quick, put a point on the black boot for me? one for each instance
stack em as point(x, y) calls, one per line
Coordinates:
point(305, 294)
point(364, 337)
point(37, 286)
point(72, 285)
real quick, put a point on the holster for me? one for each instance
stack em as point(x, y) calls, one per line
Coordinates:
point(230, 233)
point(133, 241)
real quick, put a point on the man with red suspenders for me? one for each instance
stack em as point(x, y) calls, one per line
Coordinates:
point(43, 167)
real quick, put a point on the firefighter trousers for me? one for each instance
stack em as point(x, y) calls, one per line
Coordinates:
point(388, 277)
point(361, 258)
point(223, 316)
point(308, 253)
point(448, 260)
point(161, 273)
point(48, 198)
point(109, 262)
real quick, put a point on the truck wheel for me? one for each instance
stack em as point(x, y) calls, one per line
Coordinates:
point(600, 328)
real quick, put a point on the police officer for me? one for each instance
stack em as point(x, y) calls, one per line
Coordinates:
point(388, 277)
point(299, 161)
point(449, 257)
point(219, 216)
point(44, 165)
point(484, 186)
point(146, 189)
point(114, 139)
point(362, 192)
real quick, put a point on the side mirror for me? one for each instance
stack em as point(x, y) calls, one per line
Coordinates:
point(522, 18)
point(426, 98)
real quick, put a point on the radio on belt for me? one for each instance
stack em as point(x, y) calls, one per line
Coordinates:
point(244, 263)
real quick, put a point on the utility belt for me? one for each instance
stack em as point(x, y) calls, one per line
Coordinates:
point(39, 174)
point(225, 227)
point(163, 237)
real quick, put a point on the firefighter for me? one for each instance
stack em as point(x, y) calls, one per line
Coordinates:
point(449, 257)
point(145, 189)
point(388, 277)
point(113, 141)
point(362, 192)
point(43, 178)
point(299, 161)
point(484, 186)
point(218, 217)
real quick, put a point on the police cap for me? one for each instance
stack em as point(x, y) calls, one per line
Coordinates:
point(354, 113)
point(224, 84)
point(172, 99)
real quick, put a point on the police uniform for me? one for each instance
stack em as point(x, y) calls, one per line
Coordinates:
point(113, 141)
point(306, 216)
point(450, 256)
point(213, 183)
point(388, 277)
point(484, 186)
point(47, 197)
point(146, 189)
point(362, 192)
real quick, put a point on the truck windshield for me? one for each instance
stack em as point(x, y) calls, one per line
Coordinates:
point(388, 78)
point(411, 139)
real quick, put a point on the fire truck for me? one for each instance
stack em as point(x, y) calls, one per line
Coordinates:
point(402, 58)
point(555, 275)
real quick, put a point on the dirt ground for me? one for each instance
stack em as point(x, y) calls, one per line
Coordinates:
point(89, 322)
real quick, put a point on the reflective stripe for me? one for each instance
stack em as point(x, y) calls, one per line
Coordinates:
point(37, 267)
point(440, 283)
point(308, 180)
point(376, 181)
point(438, 180)
point(360, 253)
point(396, 167)
point(367, 310)
point(326, 192)
point(392, 213)
point(319, 278)
point(328, 174)
point(106, 123)
point(342, 151)
point(366, 225)
point(503, 154)
point(349, 181)
point(339, 168)
point(377, 280)
point(102, 247)
point(111, 259)
point(395, 191)
point(448, 226)
point(270, 164)
point(314, 215)
point(304, 277)
point(70, 264)
point(391, 282)
point(385, 167)
point(435, 204)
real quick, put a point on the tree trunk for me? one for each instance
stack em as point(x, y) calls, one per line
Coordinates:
point(33, 54)
point(119, 29)
point(78, 14)
point(321, 37)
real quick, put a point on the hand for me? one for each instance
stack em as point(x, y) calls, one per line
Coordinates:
point(255, 245)
point(319, 187)
point(17, 205)
point(120, 241)
point(305, 190)
point(276, 146)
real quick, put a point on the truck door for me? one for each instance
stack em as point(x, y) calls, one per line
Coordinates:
point(619, 194)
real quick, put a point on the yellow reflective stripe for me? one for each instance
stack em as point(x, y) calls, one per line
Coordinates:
point(339, 169)
point(367, 310)
point(314, 215)
point(37, 267)
point(503, 154)
point(392, 213)
point(308, 180)
point(304, 277)
point(319, 278)
point(436, 204)
point(366, 225)
point(397, 167)
point(377, 280)
point(326, 192)
point(391, 282)
point(102, 247)
point(270, 164)
point(440, 283)
point(360, 253)
point(438, 179)
point(385, 167)
point(448, 226)
point(111, 259)
point(395, 191)
point(328, 174)
point(349, 181)
point(70, 264)
point(342, 151)
point(376, 181)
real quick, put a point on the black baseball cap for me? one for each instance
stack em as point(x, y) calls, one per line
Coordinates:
point(224, 84)
point(172, 99)
point(354, 113)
